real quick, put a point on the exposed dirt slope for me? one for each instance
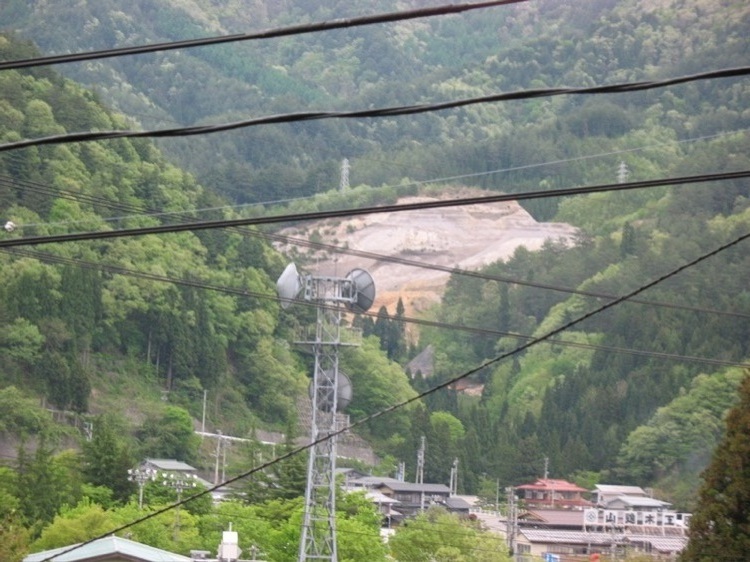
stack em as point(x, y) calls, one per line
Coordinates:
point(465, 237)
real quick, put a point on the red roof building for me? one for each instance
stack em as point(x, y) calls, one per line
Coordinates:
point(548, 493)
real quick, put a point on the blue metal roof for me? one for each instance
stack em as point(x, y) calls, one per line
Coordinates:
point(108, 546)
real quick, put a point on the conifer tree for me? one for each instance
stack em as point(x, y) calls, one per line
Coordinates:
point(720, 526)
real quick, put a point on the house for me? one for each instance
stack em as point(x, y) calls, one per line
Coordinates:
point(423, 365)
point(414, 497)
point(107, 549)
point(603, 493)
point(349, 474)
point(636, 503)
point(386, 505)
point(168, 465)
point(370, 482)
point(535, 543)
point(552, 494)
point(632, 508)
point(625, 519)
point(558, 519)
point(179, 468)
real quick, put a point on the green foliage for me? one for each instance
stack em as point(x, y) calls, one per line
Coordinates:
point(685, 431)
point(720, 525)
point(174, 531)
point(46, 483)
point(437, 535)
point(14, 538)
point(21, 342)
point(170, 435)
point(21, 415)
point(74, 525)
point(582, 409)
point(377, 384)
point(108, 456)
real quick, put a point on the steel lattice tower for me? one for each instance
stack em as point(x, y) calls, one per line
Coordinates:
point(318, 537)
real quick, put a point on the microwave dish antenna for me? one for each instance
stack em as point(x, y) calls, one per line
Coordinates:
point(343, 393)
point(288, 285)
point(362, 290)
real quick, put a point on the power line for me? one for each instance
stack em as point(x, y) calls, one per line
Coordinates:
point(367, 419)
point(626, 87)
point(359, 253)
point(486, 276)
point(200, 284)
point(41, 188)
point(319, 215)
point(341, 23)
point(77, 196)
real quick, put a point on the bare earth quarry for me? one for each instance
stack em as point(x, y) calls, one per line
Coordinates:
point(467, 237)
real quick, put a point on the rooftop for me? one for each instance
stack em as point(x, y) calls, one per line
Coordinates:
point(556, 517)
point(637, 501)
point(552, 485)
point(105, 549)
point(661, 544)
point(397, 486)
point(614, 490)
point(170, 464)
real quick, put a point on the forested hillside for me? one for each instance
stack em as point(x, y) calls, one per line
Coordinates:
point(634, 395)
point(86, 321)
point(531, 45)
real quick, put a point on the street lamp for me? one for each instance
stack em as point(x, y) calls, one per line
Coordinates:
point(140, 476)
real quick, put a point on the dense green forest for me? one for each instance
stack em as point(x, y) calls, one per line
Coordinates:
point(139, 328)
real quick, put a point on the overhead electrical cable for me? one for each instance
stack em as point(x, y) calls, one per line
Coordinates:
point(75, 196)
point(385, 411)
point(204, 285)
point(403, 207)
point(375, 113)
point(300, 242)
point(341, 23)
point(485, 276)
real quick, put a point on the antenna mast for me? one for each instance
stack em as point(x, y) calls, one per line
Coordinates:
point(344, 184)
point(330, 391)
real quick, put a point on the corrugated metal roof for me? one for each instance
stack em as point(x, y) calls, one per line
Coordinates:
point(661, 544)
point(568, 537)
point(414, 487)
point(171, 464)
point(555, 516)
point(371, 481)
point(108, 546)
point(550, 484)
point(635, 501)
point(613, 489)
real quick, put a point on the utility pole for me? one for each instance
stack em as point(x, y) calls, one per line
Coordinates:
point(179, 483)
point(512, 520)
point(454, 477)
point(497, 495)
point(420, 472)
point(203, 418)
point(401, 472)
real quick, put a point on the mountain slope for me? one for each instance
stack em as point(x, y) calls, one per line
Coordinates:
point(468, 238)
